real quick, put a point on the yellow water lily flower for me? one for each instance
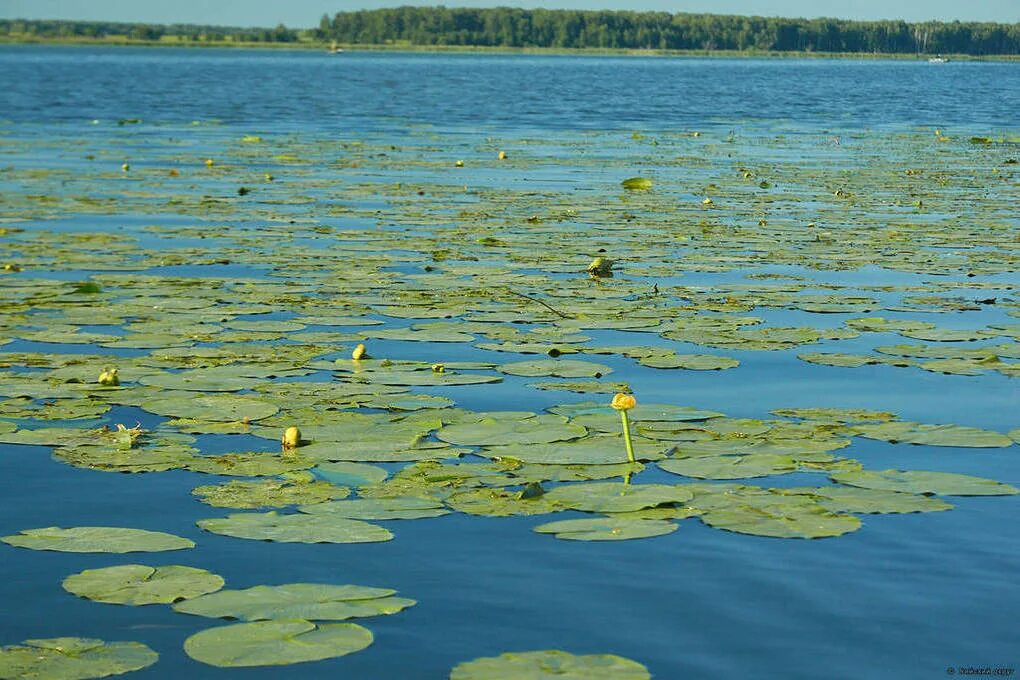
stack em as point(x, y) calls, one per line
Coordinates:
point(623, 402)
point(291, 438)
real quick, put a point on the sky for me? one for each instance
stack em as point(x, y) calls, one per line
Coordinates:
point(306, 13)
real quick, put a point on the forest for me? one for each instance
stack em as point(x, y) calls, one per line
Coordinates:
point(571, 29)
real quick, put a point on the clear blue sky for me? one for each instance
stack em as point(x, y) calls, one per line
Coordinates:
point(305, 13)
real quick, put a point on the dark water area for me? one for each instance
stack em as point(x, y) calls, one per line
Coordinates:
point(295, 91)
point(907, 596)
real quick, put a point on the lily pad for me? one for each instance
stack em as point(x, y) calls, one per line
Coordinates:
point(214, 407)
point(769, 517)
point(616, 496)
point(903, 432)
point(690, 362)
point(556, 368)
point(600, 450)
point(268, 493)
point(730, 467)
point(872, 501)
point(607, 529)
point(298, 528)
point(351, 474)
point(551, 664)
point(491, 431)
point(70, 658)
point(925, 482)
point(137, 584)
point(97, 539)
point(407, 507)
point(275, 643)
point(309, 601)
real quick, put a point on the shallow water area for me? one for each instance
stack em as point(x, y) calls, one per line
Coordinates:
point(844, 230)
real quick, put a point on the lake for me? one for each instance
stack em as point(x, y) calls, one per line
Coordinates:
point(268, 210)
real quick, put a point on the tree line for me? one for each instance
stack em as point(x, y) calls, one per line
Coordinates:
point(511, 27)
point(55, 29)
point(566, 29)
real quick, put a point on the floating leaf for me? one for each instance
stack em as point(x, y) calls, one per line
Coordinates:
point(903, 432)
point(556, 368)
point(310, 601)
point(637, 184)
point(690, 362)
point(871, 501)
point(298, 528)
point(138, 584)
point(730, 467)
point(491, 431)
point(379, 508)
point(268, 493)
point(925, 482)
point(601, 450)
point(617, 496)
point(351, 474)
point(214, 407)
point(275, 643)
point(768, 516)
point(552, 664)
point(97, 539)
point(607, 529)
point(254, 464)
point(73, 658)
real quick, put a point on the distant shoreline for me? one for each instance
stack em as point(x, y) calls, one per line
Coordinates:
point(470, 49)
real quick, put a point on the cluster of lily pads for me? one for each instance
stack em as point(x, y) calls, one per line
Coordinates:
point(478, 273)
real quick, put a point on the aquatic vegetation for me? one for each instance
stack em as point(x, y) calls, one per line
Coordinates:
point(310, 601)
point(550, 664)
point(483, 299)
point(97, 539)
point(71, 657)
point(275, 643)
point(138, 584)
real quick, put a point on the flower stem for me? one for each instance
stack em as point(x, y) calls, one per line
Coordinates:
point(626, 436)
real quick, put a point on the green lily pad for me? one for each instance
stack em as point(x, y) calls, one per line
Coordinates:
point(925, 482)
point(600, 450)
point(690, 362)
point(309, 601)
point(138, 584)
point(268, 493)
point(551, 664)
point(275, 643)
point(616, 496)
point(97, 539)
point(407, 507)
point(730, 467)
point(636, 184)
point(72, 658)
point(488, 502)
point(214, 407)
point(298, 528)
point(253, 464)
point(351, 474)
point(584, 387)
point(198, 380)
point(556, 368)
point(769, 517)
point(903, 432)
point(607, 529)
point(872, 501)
point(836, 415)
point(491, 431)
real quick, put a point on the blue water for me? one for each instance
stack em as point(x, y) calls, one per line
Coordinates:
point(904, 597)
point(298, 91)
